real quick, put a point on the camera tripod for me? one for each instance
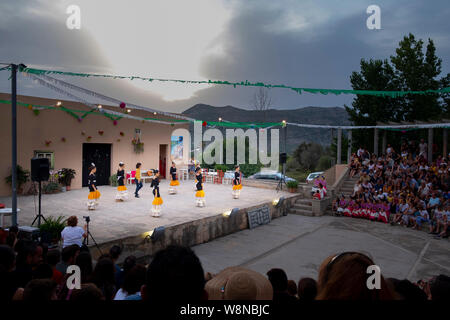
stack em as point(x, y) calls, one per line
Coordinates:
point(282, 179)
point(89, 234)
point(39, 216)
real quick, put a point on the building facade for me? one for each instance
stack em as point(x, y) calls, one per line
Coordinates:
point(75, 143)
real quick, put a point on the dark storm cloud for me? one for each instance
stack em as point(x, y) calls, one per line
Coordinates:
point(322, 54)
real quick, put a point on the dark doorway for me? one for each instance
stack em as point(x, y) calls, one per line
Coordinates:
point(162, 160)
point(100, 155)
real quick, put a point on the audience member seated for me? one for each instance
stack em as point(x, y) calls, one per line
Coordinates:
point(73, 234)
point(279, 281)
point(40, 290)
point(237, 283)
point(307, 289)
point(131, 288)
point(344, 277)
point(174, 275)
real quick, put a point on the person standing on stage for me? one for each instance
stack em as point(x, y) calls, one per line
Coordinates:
point(174, 179)
point(94, 194)
point(237, 183)
point(200, 194)
point(157, 201)
point(138, 180)
point(122, 192)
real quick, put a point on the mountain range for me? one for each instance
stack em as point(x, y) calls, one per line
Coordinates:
point(295, 135)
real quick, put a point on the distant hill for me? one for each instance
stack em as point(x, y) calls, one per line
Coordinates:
point(296, 135)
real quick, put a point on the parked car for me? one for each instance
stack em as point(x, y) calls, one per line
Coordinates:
point(270, 175)
point(313, 175)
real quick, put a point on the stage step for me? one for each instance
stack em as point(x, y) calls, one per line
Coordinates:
point(302, 207)
point(301, 212)
point(307, 202)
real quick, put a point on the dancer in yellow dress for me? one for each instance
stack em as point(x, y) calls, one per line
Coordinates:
point(200, 194)
point(122, 192)
point(174, 179)
point(94, 194)
point(237, 183)
point(157, 201)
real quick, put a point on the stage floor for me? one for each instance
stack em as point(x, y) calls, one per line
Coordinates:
point(115, 220)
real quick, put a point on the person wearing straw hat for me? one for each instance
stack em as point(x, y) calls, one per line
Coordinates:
point(237, 186)
point(174, 180)
point(94, 194)
point(237, 283)
point(200, 194)
point(122, 192)
point(157, 201)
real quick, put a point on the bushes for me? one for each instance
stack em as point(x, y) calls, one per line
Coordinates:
point(23, 176)
point(51, 187)
point(113, 180)
point(52, 227)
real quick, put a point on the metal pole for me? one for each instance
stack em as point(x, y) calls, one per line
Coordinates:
point(14, 142)
point(339, 145)
point(375, 141)
point(430, 145)
point(349, 146)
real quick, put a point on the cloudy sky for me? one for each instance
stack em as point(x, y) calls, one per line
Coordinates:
point(303, 43)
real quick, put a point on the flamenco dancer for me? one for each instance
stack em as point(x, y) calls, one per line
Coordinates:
point(94, 194)
point(174, 179)
point(237, 186)
point(157, 201)
point(200, 194)
point(122, 192)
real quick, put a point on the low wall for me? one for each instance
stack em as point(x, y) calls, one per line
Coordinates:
point(258, 183)
point(319, 207)
point(193, 232)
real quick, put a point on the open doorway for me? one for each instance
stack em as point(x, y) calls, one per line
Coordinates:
point(163, 160)
point(100, 155)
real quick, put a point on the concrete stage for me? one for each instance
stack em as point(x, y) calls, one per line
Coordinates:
point(117, 220)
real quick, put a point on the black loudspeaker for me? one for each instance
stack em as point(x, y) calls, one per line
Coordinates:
point(40, 169)
point(283, 158)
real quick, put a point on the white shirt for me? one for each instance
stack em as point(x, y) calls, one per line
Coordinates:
point(72, 235)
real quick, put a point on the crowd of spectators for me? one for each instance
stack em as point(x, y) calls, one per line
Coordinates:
point(31, 272)
point(400, 188)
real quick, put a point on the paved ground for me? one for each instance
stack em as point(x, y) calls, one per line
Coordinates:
point(113, 220)
point(299, 244)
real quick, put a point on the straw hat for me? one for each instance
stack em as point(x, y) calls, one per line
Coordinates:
point(237, 283)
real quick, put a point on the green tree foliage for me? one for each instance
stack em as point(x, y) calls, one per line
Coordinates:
point(409, 69)
point(308, 155)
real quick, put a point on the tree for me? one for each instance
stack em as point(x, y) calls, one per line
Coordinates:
point(416, 71)
point(262, 100)
point(368, 110)
point(308, 155)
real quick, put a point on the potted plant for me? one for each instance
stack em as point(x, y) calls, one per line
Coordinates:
point(65, 177)
point(113, 180)
point(23, 176)
point(138, 145)
point(51, 187)
point(292, 186)
point(51, 229)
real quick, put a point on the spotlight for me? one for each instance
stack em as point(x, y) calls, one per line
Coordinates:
point(220, 119)
point(228, 213)
point(99, 106)
point(284, 121)
point(59, 103)
point(155, 234)
point(278, 202)
point(129, 110)
point(154, 113)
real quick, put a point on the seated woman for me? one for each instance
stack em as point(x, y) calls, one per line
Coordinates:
point(73, 234)
point(341, 205)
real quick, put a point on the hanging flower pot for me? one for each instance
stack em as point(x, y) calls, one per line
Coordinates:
point(30, 107)
point(100, 132)
point(122, 134)
point(36, 112)
point(63, 139)
point(122, 105)
point(118, 140)
point(83, 133)
point(115, 122)
point(89, 138)
point(204, 123)
point(47, 143)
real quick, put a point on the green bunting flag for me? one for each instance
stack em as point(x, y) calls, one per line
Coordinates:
point(392, 94)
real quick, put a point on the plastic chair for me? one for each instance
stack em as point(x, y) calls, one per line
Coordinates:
point(219, 177)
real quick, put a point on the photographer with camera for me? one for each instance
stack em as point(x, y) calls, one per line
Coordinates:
point(73, 234)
